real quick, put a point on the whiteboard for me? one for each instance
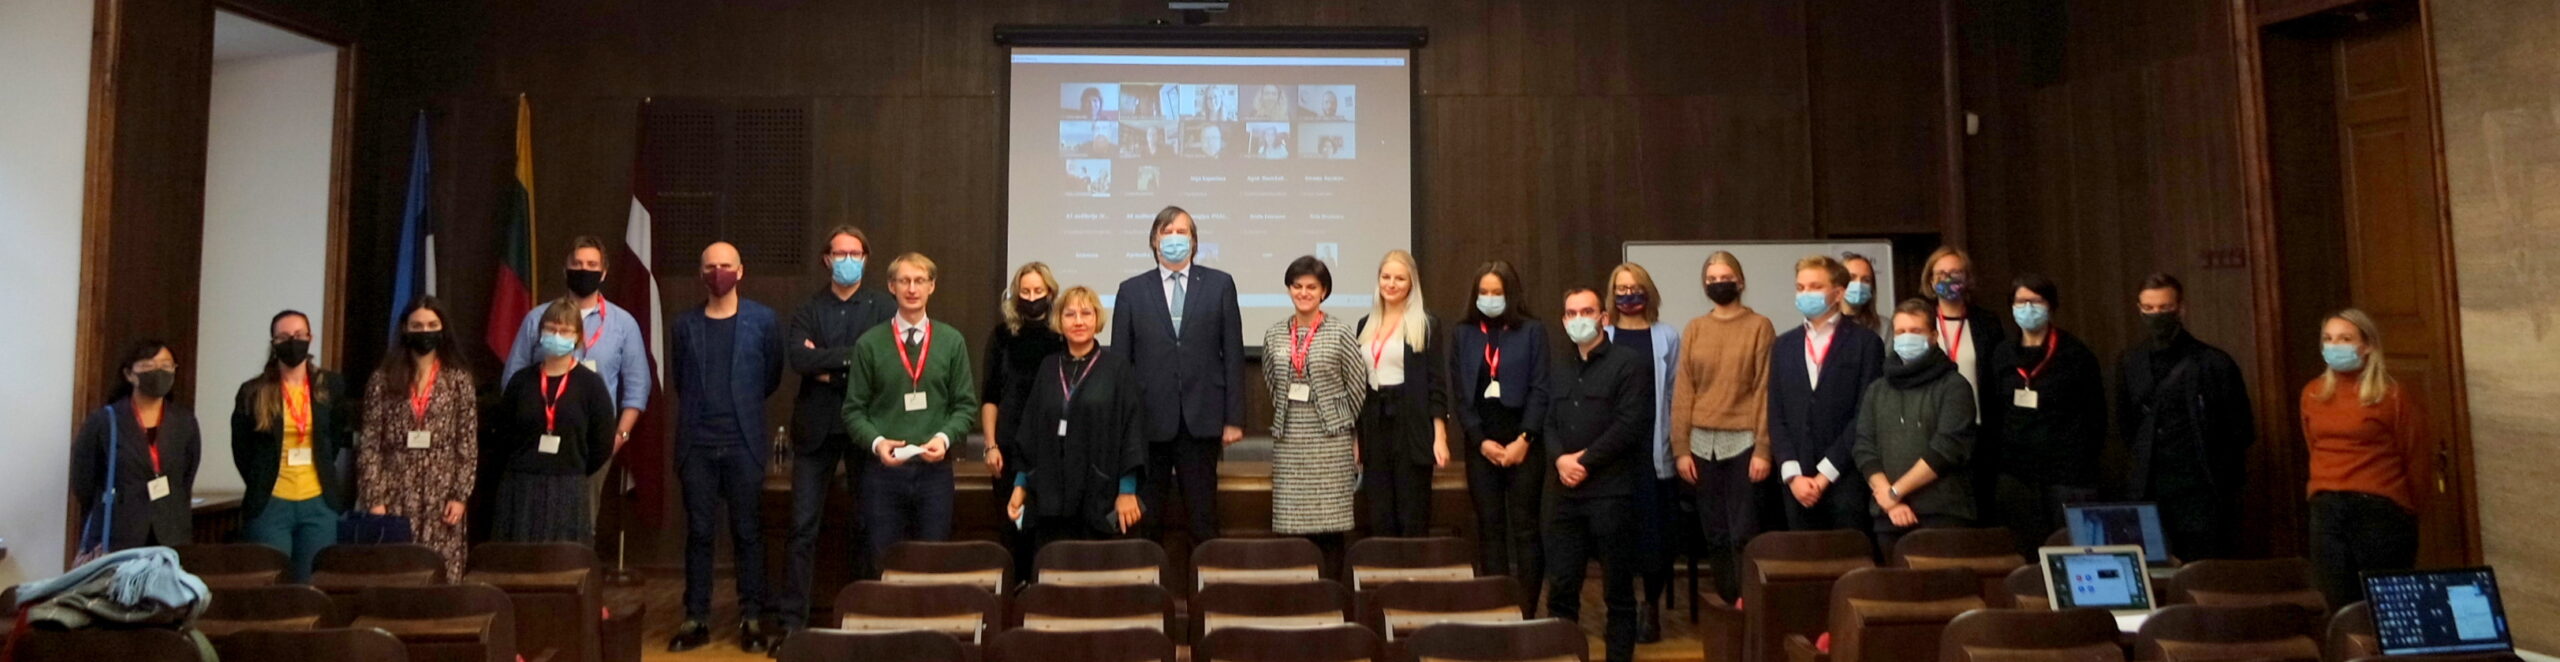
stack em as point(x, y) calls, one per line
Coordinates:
point(1768, 275)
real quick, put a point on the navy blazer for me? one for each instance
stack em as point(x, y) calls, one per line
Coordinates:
point(1523, 376)
point(1808, 425)
point(755, 370)
point(1201, 370)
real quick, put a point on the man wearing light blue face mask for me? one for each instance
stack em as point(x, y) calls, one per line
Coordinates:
point(1180, 327)
point(1915, 434)
point(819, 346)
point(1818, 375)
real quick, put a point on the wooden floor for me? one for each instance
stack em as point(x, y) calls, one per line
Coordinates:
point(664, 593)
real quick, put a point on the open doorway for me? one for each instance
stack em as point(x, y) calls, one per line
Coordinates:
point(2355, 166)
point(272, 210)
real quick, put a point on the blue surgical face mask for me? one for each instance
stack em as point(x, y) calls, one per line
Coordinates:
point(1174, 248)
point(1490, 305)
point(1812, 304)
point(1582, 329)
point(846, 270)
point(556, 346)
point(1911, 346)
point(2032, 316)
point(2342, 358)
point(1861, 292)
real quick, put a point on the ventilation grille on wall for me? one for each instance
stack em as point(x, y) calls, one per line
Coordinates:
point(734, 170)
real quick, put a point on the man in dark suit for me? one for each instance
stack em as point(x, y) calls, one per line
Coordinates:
point(820, 347)
point(724, 359)
point(1817, 375)
point(2186, 425)
point(1180, 329)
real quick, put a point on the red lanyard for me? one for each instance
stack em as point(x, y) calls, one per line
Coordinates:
point(1955, 339)
point(2052, 340)
point(1378, 350)
point(420, 396)
point(1298, 348)
point(1492, 353)
point(551, 401)
point(300, 420)
point(915, 366)
point(1817, 356)
point(1070, 389)
point(151, 440)
point(603, 310)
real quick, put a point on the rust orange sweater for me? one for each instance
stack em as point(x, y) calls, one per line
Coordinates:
point(2361, 448)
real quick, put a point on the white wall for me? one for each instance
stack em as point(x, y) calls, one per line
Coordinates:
point(44, 128)
point(266, 219)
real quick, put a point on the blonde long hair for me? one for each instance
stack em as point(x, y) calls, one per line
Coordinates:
point(1013, 318)
point(1417, 326)
point(2376, 380)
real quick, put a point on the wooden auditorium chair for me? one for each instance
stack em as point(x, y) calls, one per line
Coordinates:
point(328, 645)
point(2208, 633)
point(2025, 587)
point(558, 594)
point(1256, 561)
point(345, 571)
point(965, 614)
point(2235, 583)
point(1374, 561)
point(1303, 604)
point(451, 623)
point(280, 607)
point(1100, 562)
point(1339, 642)
point(1786, 589)
point(2351, 634)
point(1989, 553)
point(979, 563)
point(1043, 606)
point(818, 645)
point(1543, 640)
point(2032, 635)
point(1889, 614)
point(1117, 645)
point(228, 565)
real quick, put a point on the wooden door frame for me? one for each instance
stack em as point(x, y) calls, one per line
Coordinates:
point(2273, 396)
point(333, 298)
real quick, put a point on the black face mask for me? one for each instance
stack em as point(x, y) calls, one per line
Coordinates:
point(583, 282)
point(293, 352)
point(1031, 309)
point(155, 383)
point(1724, 293)
point(421, 342)
point(2164, 326)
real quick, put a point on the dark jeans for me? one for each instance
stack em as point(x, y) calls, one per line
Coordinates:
point(1888, 535)
point(300, 529)
point(1727, 515)
point(1658, 535)
point(1506, 505)
point(2355, 532)
point(2201, 522)
point(1191, 465)
point(1843, 506)
point(908, 502)
point(1024, 544)
point(2033, 511)
point(813, 479)
point(1576, 529)
point(713, 477)
point(1398, 496)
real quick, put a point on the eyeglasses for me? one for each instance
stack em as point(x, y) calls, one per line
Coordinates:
point(854, 255)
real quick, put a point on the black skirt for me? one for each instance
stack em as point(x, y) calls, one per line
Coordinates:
point(541, 508)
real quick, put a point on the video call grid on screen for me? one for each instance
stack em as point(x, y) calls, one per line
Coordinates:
point(2439, 611)
point(1277, 153)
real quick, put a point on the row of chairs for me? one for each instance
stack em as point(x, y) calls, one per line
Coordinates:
point(1229, 560)
point(1546, 640)
point(545, 600)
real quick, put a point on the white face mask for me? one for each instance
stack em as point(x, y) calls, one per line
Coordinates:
point(1582, 329)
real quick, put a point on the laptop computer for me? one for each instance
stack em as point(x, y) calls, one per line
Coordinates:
point(2428, 612)
point(2099, 524)
point(2109, 577)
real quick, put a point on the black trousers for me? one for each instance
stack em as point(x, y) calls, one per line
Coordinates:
point(1728, 515)
point(1189, 464)
point(1023, 544)
point(1507, 519)
point(1397, 495)
point(715, 478)
point(1578, 530)
point(2201, 522)
point(2355, 532)
point(2033, 510)
point(813, 480)
point(1842, 506)
point(1661, 529)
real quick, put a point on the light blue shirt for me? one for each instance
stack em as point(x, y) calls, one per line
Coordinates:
point(617, 355)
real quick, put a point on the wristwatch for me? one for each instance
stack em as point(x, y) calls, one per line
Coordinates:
point(1895, 491)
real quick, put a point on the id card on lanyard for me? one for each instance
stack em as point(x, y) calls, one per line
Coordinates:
point(1492, 362)
point(299, 420)
point(915, 367)
point(549, 442)
point(1068, 403)
point(1299, 391)
point(2025, 397)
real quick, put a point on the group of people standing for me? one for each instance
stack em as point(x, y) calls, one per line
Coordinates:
point(1935, 413)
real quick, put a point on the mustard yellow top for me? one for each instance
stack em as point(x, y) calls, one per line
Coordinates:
point(297, 483)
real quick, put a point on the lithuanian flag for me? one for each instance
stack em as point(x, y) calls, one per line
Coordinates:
point(511, 296)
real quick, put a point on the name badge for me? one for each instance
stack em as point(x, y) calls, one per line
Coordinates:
point(1493, 389)
point(915, 401)
point(550, 444)
point(1300, 393)
point(297, 457)
point(591, 366)
point(421, 439)
point(2023, 399)
point(158, 487)
point(1062, 427)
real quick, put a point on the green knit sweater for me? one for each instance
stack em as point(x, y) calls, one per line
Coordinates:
point(876, 388)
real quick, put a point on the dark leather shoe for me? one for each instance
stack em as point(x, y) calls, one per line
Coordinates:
point(774, 647)
point(1649, 624)
point(751, 635)
point(691, 635)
